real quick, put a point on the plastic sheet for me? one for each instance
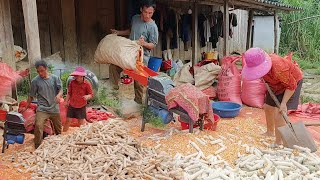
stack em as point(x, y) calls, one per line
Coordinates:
point(7, 77)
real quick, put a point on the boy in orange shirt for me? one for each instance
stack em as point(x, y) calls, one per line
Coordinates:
point(79, 92)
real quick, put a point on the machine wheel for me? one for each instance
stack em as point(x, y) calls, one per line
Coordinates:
point(45, 134)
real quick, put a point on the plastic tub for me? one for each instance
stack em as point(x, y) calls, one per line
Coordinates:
point(226, 109)
point(154, 64)
point(166, 65)
point(213, 126)
point(3, 115)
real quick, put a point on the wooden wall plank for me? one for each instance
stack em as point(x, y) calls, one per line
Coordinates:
point(86, 19)
point(95, 19)
point(17, 26)
point(68, 14)
point(44, 27)
point(55, 25)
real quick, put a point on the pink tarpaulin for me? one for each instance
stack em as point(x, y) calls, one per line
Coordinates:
point(307, 110)
point(7, 77)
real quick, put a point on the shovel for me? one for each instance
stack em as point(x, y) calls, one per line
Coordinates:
point(293, 133)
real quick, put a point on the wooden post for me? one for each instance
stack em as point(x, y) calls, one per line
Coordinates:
point(226, 28)
point(32, 30)
point(249, 30)
point(6, 40)
point(276, 30)
point(69, 31)
point(195, 34)
point(6, 35)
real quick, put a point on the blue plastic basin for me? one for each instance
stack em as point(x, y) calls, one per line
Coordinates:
point(226, 109)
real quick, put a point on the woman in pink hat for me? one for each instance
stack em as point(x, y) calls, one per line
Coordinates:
point(284, 78)
point(79, 92)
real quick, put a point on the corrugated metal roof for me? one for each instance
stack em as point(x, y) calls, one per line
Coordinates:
point(266, 5)
point(277, 4)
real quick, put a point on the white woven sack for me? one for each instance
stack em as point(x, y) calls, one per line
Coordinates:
point(119, 51)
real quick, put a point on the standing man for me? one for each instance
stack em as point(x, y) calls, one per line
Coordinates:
point(145, 30)
point(47, 89)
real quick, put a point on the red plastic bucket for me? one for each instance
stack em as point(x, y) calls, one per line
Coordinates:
point(213, 126)
point(3, 115)
point(166, 65)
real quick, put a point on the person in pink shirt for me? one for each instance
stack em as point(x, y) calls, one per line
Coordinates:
point(79, 92)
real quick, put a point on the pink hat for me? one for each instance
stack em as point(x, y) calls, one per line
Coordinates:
point(257, 63)
point(80, 71)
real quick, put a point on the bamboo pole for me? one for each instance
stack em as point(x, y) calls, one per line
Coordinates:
point(276, 30)
point(226, 27)
point(195, 34)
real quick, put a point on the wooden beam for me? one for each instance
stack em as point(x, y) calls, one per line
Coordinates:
point(267, 6)
point(276, 30)
point(226, 26)
point(248, 4)
point(195, 34)
point(32, 30)
point(69, 31)
point(249, 30)
point(6, 34)
point(6, 41)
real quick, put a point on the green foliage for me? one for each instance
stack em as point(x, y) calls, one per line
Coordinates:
point(50, 68)
point(302, 36)
point(23, 88)
point(64, 79)
point(109, 99)
point(307, 99)
point(33, 73)
point(151, 118)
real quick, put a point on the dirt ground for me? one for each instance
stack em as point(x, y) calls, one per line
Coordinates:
point(311, 86)
point(246, 128)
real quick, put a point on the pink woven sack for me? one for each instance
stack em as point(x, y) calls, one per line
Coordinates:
point(253, 92)
point(229, 86)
